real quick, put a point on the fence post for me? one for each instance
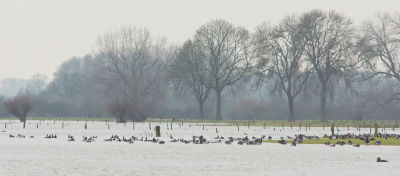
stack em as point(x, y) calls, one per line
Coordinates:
point(158, 133)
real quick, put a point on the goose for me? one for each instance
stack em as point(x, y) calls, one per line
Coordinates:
point(379, 160)
point(32, 137)
point(269, 138)
point(240, 142)
point(170, 136)
point(378, 143)
point(229, 142)
point(71, 139)
point(131, 142)
point(358, 145)
point(108, 139)
point(350, 142)
point(11, 136)
point(327, 143)
point(161, 142)
point(333, 145)
point(293, 143)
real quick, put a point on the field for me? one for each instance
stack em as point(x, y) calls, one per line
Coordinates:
point(58, 156)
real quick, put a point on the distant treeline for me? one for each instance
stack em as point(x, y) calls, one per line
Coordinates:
point(316, 65)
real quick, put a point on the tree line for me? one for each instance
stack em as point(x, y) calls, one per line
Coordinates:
point(318, 64)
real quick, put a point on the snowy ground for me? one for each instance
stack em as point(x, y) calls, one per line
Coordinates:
point(40, 156)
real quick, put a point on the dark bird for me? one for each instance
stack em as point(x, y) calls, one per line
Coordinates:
point(378, 143)
point(358, 145)
point(350, 142)
point(379, 160)
point(269, 138)
point(333, 145)
point(327, 143)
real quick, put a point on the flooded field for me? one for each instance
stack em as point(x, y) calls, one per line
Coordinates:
point(57, 156)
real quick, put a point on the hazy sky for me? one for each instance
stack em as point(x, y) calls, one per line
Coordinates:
point(37, 36)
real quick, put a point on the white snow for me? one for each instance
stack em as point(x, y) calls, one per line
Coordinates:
point(40, 156)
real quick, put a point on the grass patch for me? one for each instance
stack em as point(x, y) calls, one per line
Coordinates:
point(389, 141)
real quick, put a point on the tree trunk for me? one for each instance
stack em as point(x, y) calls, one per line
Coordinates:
point(291, 109)
point(22, 117)
point(323, 101)
point(218, 116)
point(201, 110)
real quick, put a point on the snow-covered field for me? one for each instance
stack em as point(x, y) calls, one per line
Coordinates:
point(41, 156)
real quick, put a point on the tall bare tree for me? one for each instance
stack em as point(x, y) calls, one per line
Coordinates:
point(383, 33)
point(280, 49)
point(188, 69)
point(228, 54)
point(330, 42)
point(21, 104)
point(130, 64)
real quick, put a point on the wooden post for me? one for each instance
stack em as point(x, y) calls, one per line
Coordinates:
point(397, 125)
point(291, 127)
point(333, 129)
point(203, 127)
point(171, 126)
point(309, 126)
point(63, 125)
point(264, 126)
point(274, 128)
point(133, 125)
point(300, 125)
point(85, 127)
point(376, 130)
point(150, 126)
point(283, 126)
point(158, 134)
point(24, 124)
point(216, 130)
point(370, 130)
point(238, 127)
point(108, 125)
point(248, 124)
point(182, 123)
point(323, 126)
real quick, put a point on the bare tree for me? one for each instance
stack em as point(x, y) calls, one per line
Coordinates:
point(131, 65)
point(280, 49)
point(329, 47)
point(68, 79)
point(187, 69)
point(383, 33)
point(37, 83)
point(20, 105)
point(227, 52)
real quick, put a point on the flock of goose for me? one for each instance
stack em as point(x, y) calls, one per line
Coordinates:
point(297, 139)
